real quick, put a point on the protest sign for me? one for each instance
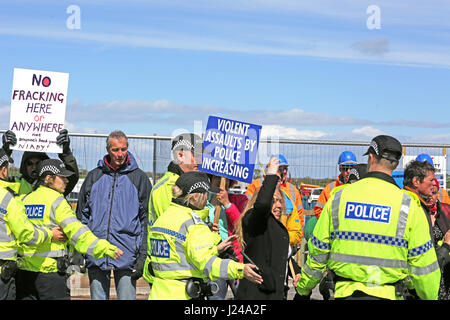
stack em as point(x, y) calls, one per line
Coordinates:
point(38, 109)
point(232, 147)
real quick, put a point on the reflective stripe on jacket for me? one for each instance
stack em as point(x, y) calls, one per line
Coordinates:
point(375, 234)
point(47, 208)
point(160, 199)
point(182, 246)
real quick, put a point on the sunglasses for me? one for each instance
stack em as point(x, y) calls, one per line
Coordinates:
point(345, 168)
point(32, 163)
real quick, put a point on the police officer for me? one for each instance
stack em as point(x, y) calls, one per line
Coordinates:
point(42, 274)
point(183, 251)
point(187, 155)
point(16, 229)
point(373, 235)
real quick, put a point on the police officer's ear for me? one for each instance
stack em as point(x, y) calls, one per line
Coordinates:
point(179, 156)
point(4, 172)
point(48, 180)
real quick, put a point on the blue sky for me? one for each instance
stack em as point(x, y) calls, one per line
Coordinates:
point(301, 69)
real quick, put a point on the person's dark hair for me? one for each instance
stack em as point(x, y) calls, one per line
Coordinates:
point(41, 181)
point(117, 134)
point(417, 169)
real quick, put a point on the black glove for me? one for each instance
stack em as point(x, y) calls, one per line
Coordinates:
point(229, 254)
point(139, 267)
point(9, 139)
point(63, 140)
point(442, 254)
point(299, 297)
point(78, 260)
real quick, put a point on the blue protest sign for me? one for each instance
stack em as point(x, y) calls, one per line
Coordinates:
point(231, 148)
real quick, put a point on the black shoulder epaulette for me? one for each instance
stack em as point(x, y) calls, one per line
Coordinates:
point(15, 194)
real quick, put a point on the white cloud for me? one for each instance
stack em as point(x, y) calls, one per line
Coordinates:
point(277, 131)
point(368, 131)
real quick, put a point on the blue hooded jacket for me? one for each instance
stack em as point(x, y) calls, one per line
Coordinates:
point(114, 205)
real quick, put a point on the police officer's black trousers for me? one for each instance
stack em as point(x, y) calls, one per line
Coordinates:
point(8, 289)
point(359, 295)
point(41, 286)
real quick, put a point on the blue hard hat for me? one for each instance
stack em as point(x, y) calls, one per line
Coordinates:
point(283, 161)
point(347, 158)
point(425, 157)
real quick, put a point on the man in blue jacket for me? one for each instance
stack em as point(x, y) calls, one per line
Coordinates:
point(113, 203)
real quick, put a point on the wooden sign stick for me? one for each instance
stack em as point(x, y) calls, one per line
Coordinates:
point(223, 182)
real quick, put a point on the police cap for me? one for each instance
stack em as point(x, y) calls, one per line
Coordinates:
point(53, 167)
point(382, 144)
point(4, 157)
point(195, 182)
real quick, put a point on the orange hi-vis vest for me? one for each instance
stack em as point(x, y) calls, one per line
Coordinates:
point(324, 196)
point(294, 220)
point(443, 196)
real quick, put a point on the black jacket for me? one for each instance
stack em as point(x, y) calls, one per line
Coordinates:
point(267, 245)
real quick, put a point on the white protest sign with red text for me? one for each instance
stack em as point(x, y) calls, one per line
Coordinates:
point(38, 109)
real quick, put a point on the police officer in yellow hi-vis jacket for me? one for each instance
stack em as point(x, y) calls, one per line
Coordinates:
point(373, 236)
point(42, 271)
point(15, 228)
point(184, 254)
point(187, 155)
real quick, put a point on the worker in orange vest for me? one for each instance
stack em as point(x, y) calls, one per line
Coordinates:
point(346, 161)
point(294, 218)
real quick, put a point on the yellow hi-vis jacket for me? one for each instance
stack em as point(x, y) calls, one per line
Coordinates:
point(15, 228)
point(182, 246)
point(375, 234)
point(48, 208)
point(160, 200)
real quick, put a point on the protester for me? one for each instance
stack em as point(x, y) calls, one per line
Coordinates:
point(293, 218)
point(113, 202)
point(265, 240)
point(346, 161)
point(30, 160)
point(419, 178)
point(443, 194)
point(42, 274)
point(183, 251)
point(230, 207)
